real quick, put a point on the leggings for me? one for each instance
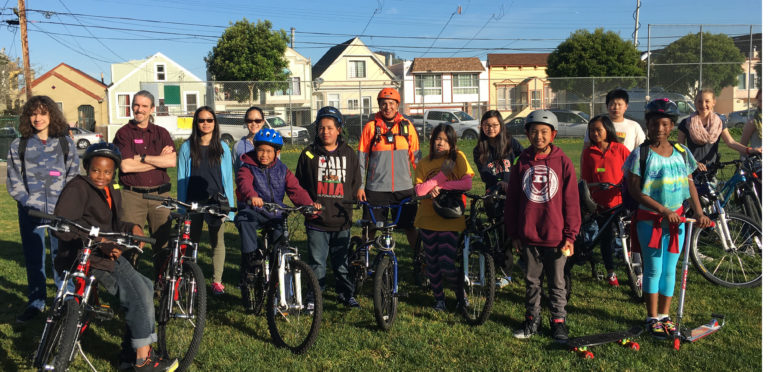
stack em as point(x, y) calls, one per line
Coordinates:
point(659, 265)
point(440, 251)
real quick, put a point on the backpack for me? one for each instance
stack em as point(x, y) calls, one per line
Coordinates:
point(629, 203)
point(63, 144)
point(377, 137)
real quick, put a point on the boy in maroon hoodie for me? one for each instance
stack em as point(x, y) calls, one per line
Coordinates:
point(542, 219)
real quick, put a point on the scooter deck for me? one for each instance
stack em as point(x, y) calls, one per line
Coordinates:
point(693, 335)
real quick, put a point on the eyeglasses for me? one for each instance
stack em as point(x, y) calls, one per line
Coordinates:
point(257, 121)
point(496, 126)
point(209, 120)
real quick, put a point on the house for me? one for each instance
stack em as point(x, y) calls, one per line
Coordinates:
point(446, 83)
point(178, 92)
point(10, 94)
point(518, 82)
point(349, 77)
point(742, 95)
point(82, 98)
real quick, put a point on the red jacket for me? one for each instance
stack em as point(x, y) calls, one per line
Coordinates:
point(597, 166)
point(542, 206)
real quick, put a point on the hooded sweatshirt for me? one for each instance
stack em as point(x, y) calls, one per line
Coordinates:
point(542, 207)
point(268, 182)
point(330, 178)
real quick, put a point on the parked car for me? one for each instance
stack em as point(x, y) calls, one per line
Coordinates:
point(7, 135)
point(570, 122)
point(232, 128)
point(84, 138)
point(515, 126)
point(739, 118)
point(466, 126)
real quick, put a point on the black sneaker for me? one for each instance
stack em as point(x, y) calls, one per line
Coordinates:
point(155, 363)
point(530, 327)
point(29, 313)
point(559, 329)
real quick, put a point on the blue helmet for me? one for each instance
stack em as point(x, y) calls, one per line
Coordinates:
point(102, 149)
point(270, 137)
point(330, 112)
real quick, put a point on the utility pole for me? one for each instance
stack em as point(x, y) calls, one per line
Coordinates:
point(637, 23)
point(25, 48)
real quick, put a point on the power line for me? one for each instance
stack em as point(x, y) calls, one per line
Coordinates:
point(458, 11)
point(69, 47)
point(91, 33)
point(375, 11)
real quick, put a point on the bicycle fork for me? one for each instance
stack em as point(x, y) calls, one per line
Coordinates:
point(465, 264)
point(289, 286)
point(722, 228)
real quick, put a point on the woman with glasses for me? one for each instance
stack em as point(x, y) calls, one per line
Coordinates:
point(205, 171)
point(254, 120)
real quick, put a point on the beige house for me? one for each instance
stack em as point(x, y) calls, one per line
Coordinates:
point(81, 98)
point(742, 95)
point(349, 77)
point(518, 82)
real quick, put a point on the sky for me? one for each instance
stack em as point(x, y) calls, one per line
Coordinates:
point(92, 34)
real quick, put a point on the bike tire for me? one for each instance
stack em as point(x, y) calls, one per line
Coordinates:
point(384, 299)
point(356, 265)
point(479, 286)
point(740, 269)
point(634, 278)
point(252, 289)
point(180, 331)
point(70, 333)
point(294, 327)
point(753, 208)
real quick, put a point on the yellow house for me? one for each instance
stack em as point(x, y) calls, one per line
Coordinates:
point(518, 82)
point(349, 77)
point(81, 98)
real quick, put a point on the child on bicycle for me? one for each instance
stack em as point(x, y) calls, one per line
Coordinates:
point(263, 178)
point(92, 200)
point(660, 184)
point(328, 169)
point(441, 220)
point(543, 189)
point(601, 162)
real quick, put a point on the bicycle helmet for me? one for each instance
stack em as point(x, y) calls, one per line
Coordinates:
point(541, 117)
point(662, 107)
point(389, 93)
point(449, 204)
point(103, 149)
point(268, 136)
point(330, 112)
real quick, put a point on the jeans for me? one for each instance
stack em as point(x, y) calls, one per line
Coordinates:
point(249, 222)
point(33, 243)
point(321, 243)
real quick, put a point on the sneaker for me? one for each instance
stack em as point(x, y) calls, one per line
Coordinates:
point(669, 325)
point(439, 305)
point(657, 329)
point(530, 327)
point(559, 329)
point(350, 302)
point(613, 280)
point(218, 288)
point(503, 282)
point(155, 363)
point(29, 313)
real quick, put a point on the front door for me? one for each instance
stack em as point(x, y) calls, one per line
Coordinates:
point(85, 117)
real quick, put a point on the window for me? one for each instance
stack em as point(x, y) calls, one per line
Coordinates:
point(435, 115)
point(124, 105)
point(333, 100)
point(501, 98)
point(428, 85)
point(160, 72)
point(366, 105)
point(172, 94)
point(353, 104)
point(190, 101)
point(295, 86)
point(319, 101)
point(356, 69)
point(536, 99)
point(465, 84)
point(743, 79)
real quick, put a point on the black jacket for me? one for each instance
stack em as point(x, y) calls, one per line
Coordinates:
point(330, 178)
point(495, 170)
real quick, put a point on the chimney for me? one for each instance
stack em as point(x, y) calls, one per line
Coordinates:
point(102, 78)
point(293, 36)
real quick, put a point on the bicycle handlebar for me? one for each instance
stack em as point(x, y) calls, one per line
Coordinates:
point(62, 224)
point(304, 209)
point(194, 207)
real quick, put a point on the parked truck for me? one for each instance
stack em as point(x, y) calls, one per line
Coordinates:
point(466, 126)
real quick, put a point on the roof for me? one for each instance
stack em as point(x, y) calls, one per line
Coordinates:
point(52, 72)
point(518, 59)
point(142, 63)
point(331, 55)
point(463, 64)
point(742, 42)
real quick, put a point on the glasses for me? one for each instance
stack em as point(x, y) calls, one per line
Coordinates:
point(257, 121)
point(209, 120)
point(496, 126)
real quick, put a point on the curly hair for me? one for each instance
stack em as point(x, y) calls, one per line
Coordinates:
point(58, 126)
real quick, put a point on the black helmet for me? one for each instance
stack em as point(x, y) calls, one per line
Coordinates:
point(449, 204)
point(104, 149)
point(662, 107)
point(330, 112)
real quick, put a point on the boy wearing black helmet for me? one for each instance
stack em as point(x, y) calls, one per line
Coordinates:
point(93, 201)
point(542, 217)
point(328, 169)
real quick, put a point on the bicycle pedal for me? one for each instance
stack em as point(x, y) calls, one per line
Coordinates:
point(102, 312)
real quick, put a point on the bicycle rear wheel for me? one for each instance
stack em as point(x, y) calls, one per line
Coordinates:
point(479, 285)
point(634, 274)
point(737, 267)
point(356, 265)
point(384, 299)
point(181, 317)
point(753, 208)
point(252, 289)
point(293, 325)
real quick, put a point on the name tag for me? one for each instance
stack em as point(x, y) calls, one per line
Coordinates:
point(600, 170)
point(54, 173)
point(138, 141)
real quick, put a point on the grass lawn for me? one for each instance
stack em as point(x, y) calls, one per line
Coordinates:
point(421, 338)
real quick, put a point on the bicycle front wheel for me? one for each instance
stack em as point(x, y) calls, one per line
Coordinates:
point(634, 274)
point(293, 322)
point(479, 285)
point(736, 266)
point(181, 317)
point(384, 299)
point(356, 265)
point(62, 351)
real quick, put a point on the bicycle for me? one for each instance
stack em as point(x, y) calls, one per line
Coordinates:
point(182, 306)
point(741, 192)
point(730, 254)
point(383, 267)
point(73, 311)
point(290, 287)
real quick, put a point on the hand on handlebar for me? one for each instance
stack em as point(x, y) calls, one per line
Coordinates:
point(701, 167)
point(672, 217)
point(138, 231)
point(702, 221)
point(257, 202)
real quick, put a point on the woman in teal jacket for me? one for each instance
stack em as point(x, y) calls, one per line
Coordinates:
point(204, 171)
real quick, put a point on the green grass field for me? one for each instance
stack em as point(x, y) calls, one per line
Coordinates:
point(421, 338)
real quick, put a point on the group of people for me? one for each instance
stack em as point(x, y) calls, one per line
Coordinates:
point(541, 212)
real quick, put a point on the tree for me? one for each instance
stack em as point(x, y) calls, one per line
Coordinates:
point(597, 54)
point(249, 52)
point(678, 63)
